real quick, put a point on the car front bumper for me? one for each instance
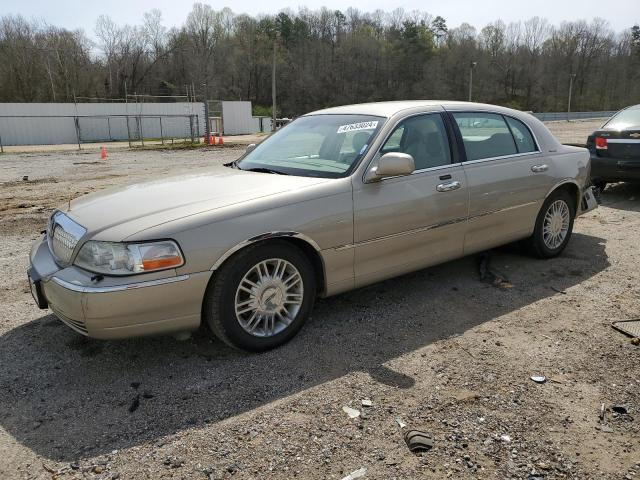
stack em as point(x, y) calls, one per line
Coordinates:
point(117, 307)
point(611, 169)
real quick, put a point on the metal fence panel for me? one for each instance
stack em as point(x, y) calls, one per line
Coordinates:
point(237, 119)
point(54, 123)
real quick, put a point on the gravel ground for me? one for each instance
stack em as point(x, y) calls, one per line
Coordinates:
point(441, 349)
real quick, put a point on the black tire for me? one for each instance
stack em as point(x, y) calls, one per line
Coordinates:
point(219, 302)
point(535, 243)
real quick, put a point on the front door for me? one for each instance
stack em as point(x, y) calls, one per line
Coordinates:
point(406, 223)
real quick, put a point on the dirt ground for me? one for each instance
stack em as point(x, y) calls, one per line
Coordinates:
point(439, 349)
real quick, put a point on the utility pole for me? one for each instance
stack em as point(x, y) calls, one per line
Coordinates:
point(571, 77)
point(273, 88)
point(207, 125)
point(473, 64)
point(126, 111)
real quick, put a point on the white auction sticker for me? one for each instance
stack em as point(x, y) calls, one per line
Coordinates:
point(352, 127)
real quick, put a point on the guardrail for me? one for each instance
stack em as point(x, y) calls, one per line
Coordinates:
point(551, 116)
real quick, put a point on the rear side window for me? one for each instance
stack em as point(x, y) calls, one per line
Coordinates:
point(522, 136)
point(485, 135)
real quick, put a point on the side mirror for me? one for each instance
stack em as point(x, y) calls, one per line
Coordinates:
point(392, 164)
point(250, 147)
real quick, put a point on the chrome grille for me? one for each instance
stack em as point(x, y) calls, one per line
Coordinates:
point(64, 235)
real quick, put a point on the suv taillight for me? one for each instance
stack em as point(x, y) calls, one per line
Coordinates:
point(601, 143)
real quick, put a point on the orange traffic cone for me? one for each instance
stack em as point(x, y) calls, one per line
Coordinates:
point(103, 153)
point(212, 140)
point(220, 141)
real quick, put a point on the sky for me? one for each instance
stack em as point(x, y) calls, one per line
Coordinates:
point(73, 14)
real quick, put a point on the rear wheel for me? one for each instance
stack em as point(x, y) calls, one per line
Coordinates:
point(554, 225)
point(261, 297)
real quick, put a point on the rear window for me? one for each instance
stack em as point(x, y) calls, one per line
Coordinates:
point(625, 119)
point(485, 135)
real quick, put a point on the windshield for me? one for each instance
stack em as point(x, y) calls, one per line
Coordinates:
point(315, 146)
point(629, 118)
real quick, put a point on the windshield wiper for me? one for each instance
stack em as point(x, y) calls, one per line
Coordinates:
point(264, 170)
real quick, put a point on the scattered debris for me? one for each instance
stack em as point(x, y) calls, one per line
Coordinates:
point(48, 468)
point(621, 409)
point(466, 351)
point(135, 385)
point(361, 472)
point(603, 413)
point(400, 423)
point(635, 341)
point(352, 412)
point(539, 378)
point(97, 469)
point(135, 404)
point(418, 441)
point(367, 403)
point(605, 429)
point(489, 274)
point(182, 336)
point(628, 327)
point(505, 438)
point(563, 292)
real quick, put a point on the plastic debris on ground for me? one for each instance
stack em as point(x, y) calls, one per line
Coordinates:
point(361, 472)
point(352, 412)
point(400, 423)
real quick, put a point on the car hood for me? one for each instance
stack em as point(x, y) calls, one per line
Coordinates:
point(143, 205)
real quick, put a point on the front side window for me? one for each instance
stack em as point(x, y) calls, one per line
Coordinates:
point(522, 135)
point(485, 135)
point(315, 146)
point(424, 137)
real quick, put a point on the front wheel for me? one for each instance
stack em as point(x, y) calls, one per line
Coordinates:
point(553, 225)
point(261, 297)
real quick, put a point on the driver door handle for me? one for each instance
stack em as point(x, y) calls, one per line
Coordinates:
point(539, 168)
point(449, 186)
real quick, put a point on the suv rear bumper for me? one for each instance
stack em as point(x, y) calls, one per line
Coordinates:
point(610, 169)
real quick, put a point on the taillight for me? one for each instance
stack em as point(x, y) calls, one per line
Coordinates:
point(601, 143)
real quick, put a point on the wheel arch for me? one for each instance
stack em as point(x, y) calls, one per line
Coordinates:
point(308, 247)
point(571, 187)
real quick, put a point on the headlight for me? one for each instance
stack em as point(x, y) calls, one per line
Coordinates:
point(112, 258)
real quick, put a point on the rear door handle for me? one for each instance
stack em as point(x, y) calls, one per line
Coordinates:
point(540, 168)
point(449, 186)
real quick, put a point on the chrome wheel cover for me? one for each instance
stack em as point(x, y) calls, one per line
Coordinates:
point(556, 224)
point(269, 297)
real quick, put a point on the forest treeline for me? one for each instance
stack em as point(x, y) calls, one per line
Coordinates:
point(324, 58)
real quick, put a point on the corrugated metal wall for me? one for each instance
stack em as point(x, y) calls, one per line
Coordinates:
point(54, 123)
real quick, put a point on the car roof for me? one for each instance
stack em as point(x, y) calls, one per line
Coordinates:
point(388, 109)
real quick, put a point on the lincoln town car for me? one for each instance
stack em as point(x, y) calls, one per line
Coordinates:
point(335, 200)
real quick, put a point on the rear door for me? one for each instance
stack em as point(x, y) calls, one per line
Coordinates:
point(508, 178)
